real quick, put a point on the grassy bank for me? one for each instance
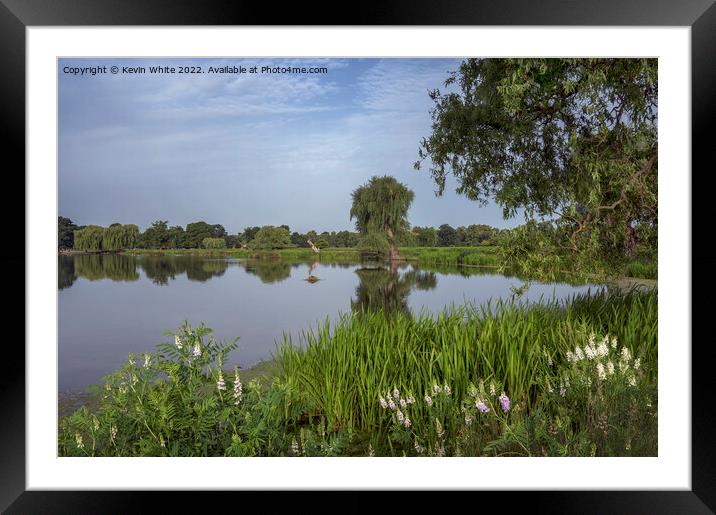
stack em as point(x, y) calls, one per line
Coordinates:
point(577, 378)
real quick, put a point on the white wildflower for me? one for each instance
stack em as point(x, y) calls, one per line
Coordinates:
point(418, 447)
point(428, 400)
point(371, 452)
point(610, 367)
point(626, 354)
point(601, 372)
point(632, 380)
point(383, 402)
point(436, 389)
point(396, 394)
point(197, 350)
point(403, 403)
point(590, 352)
point(614, 342)
point(147, 360)
point(112, 433)
point(637, 364)
point(446, 389)
point(411, 400)
point(78, 439)
point(238, 387)
point(177, 341)
point(562, 389)
point(294, 446)
point(439, 428)
point(220, 384)
point(578, 354)
point(602, 350)
point(407, 422)
point(571, 357)
point(492, 389)
point(400, 416)
point(391, 404)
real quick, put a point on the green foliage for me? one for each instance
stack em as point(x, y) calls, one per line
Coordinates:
point(65, 233)
point(89, 238)
point(270, 237)
point(120, 237)
point(642, 269)
point(425, 236)
point(574, 139)
point(345, 367)
point(196, 232)
point(447, 236)
point(213, 243)
point(472, 256)
point(374, 243)
point(381, 206)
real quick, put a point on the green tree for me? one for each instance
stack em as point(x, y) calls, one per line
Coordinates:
point(196, 232)
point(89, 238)
point(213, 243)
point(271, 237)
point(381, 207)
point(65, 233)
point(299, 240)
point(425, 236)
point(249, 234)
point(119, 237)
point(567, 139)
point(447, 236)
point(157, 236)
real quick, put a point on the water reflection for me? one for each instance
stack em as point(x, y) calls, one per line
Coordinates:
point(270, 271)
point(387, 288)
point(119, 267)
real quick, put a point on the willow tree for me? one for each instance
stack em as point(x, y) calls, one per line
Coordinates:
point(89, 238)
point(119, 237)
point(572, 140)
point(380, 209)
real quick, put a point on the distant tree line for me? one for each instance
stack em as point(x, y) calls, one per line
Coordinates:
point(160, 235)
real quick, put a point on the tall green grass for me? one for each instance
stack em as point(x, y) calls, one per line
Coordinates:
point(642, 269)
point(473, 256)
point(343, 368)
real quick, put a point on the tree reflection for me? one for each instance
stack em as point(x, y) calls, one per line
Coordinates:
point(269, 271)
point(387, 289)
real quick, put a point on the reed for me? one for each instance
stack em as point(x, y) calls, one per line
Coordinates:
point(344, 367)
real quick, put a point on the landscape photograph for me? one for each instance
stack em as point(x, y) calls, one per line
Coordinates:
point(357, 257)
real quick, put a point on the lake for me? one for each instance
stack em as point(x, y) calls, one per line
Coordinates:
point(110, 305)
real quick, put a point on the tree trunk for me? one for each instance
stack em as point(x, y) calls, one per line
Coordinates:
point(393, 254)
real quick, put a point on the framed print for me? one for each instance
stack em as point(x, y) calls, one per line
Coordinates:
point(414, 250)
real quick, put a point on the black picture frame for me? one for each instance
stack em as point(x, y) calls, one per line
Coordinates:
point(17, 15)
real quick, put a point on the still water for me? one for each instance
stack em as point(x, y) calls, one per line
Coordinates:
point(111, 305)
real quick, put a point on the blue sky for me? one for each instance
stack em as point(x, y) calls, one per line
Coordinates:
point(249, 149)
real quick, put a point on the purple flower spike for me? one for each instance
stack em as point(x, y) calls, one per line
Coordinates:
point(482, 407)
point(505, 402)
